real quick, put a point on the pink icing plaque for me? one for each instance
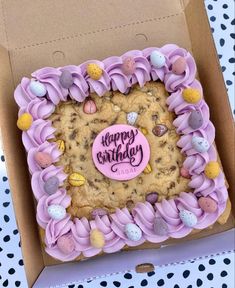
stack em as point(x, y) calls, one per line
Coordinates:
point(120, 152)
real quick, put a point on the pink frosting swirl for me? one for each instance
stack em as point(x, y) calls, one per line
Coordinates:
point(172, 81)
point(39, 109)
point(181, 122)
point(38, 133)
point(144, 215)
point(179, 105)
point(46, 147)
point(168, 210)
point(100, 86)
point(39, 178)
point(79, 90)
point(60, 197)
point(119, 220)
point(50, 78)
point(23, 96)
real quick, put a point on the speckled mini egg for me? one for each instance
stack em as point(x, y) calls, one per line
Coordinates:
point(98, 212)
point(159, 130)
point(212, 170)
point(76, 179)
point(97, 239)
point(188, 218)
point(179, 66)
point(195, 119)
point(191, 95)
point(43, 159)
point(207, 204)
point(37, 88)
point(94, 71)
point(131, 118)
point(61, 145)
point(184, 173)
point(66, 244)
point(200, 144)
point(128, 66)
point(51, 185)
point(152, 197)
point(25, 121)
point(66, 79)
point(148, 169)
point(160, 227)
point(133, 232)
point(89, 107)
point(56, 212)
point(157, 59)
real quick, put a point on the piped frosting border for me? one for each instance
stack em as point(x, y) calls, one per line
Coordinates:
point(178, 216)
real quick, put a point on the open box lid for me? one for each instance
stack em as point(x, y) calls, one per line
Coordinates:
point(56, 32)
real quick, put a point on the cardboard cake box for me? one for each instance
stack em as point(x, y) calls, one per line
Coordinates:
point(34, 34)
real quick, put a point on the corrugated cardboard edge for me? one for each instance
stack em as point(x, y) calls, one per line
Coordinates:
point(25, 213)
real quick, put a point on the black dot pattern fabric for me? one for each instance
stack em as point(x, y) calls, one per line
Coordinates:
point(209, 272)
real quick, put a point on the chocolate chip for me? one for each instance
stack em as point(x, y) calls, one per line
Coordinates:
point(82, 158)
point(73, 135)
point(159, 130)
point(154, 117)
point(130, 204)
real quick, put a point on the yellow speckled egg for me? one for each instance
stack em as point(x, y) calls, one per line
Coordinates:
point(25, 121)
point(144, 130)
point(97, 239)
point(76, 179)
point(212, 170)
point(148, 169)
point(94, 71)
point(61, 145)
point(191, 95)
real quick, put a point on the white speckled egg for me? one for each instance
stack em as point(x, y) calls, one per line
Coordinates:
point(37, 88)
point(188, 218)
point(157, 59)
point(133, 232)
point(131, 118)
point(200, 144)
point(56, 212)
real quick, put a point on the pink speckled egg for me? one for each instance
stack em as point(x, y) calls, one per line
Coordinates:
point(179, 66)
point(128, 66)
point(184, 173)
point(66, 244)
point(43, 159)
point(207, 204)
point(89, 107)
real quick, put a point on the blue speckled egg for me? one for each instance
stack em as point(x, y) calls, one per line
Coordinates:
point(188, 218)
point(133, 232)
point(195, 119)
point(56, 212)
point(37, 88)
point(200, 144)
point(157, 59)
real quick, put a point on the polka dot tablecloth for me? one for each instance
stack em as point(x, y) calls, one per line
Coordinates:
point(216, 271)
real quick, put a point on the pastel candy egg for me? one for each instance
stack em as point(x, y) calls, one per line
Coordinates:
point(179, 66)
point(131, 118)
point(98, 212)
point(97, 239)
point(157, 59)
point(159, 130)
point(25, 121)
point(66, 244)
point(128, 66)
point(188, 218)
point(160, 227)
point(212, 169)
point(43, 159)
point(148, 169)
point(56, 212)
point(200, 144)
point(94, 71)
point(207, 204)
point(76, 179)
point(184, 173)
point(51, 185)
point(191, 95)
point(37, 88)
point(195, 119)
point(61, 145)
point(133, 232)
point(66, 79)
point(89, 107)
point(152, 197)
